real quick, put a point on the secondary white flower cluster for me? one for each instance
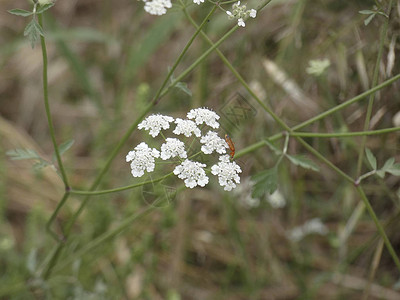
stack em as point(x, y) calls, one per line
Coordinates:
point(142, 157)
point(157, 7)
point(241, 13)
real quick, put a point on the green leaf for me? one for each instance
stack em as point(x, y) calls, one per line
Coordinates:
point(388, 164)
point(366, 12)
point(394, 170)
point(265, 181)
point(20, 12)
point(380, 173)
point(369, 19)
point(303, 161)
point(371, 158)
point(33, 31)
point(19, 154)
point(183, 87)
point(63, 148)
point(272, 147)
point(44, 8)
point(41, 164)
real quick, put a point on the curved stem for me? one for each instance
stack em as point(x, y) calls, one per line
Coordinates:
point(120, 189)
point(47, 107)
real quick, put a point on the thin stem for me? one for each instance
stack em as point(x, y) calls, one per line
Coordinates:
point(47, 107)
point(54, 215)
point(374, 82)
point(345, 134)
point(120, 189)
point(378, 225)
point(321, 116)
point(346, 103)
point(366, 175)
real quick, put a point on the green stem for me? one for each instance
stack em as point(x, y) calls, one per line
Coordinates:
point(120, 189)
point(345, 134)
point(374, 82)
point(351, 101)
point(381, 231)
point(47, 107)
point(53, 216)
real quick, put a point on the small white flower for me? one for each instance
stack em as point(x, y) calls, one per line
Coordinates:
point(142, 159)
point(212, 142)
point(204, 115)
point(172, 148)
point(192, 173)
point(198, 1)
point(229, 14)
point(186, 127)
point(157, 7)
point(253, 13)
point(227, 172)
point(155, 123)
point(241, 22)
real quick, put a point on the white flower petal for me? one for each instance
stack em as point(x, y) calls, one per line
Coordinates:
point(155, 123)
point(227, 173)
point(192, 173)
point(142, 159)
point(186, 127)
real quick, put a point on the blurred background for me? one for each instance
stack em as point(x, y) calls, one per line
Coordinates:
point(106, 60)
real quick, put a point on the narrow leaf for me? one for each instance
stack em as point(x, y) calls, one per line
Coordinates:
point(31, 32)
point(380, 173)
point(394, 170)
point(20, 12)
point(371, 158)
point(63, 148)
point(369, 19)
point(183, 87)
point(265, 181)
point(303, 161)
point(388, 164)
point(366, 12)
point(19, 154)
point(44, 8)
point(41, 164)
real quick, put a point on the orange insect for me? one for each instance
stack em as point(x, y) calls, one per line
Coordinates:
point(231, 145)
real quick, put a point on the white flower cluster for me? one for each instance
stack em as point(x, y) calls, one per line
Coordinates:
point(241, 13)
point(157, 7)
point(227, 173)
point(142, 158)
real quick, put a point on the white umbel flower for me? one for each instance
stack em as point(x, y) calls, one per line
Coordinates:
point(157, 7)
point(204, 115)
point(212, 142)
point(227, 173)
point(198, 1)
point(192, 173)
point(142, 159)
point(172, 148)
point(155, 123)
point(186, 127)
point(240, 12)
